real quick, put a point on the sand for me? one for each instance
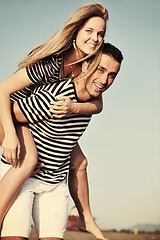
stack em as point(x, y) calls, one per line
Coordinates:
point(71, 235)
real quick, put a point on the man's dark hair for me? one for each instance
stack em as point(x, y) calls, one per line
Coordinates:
point(112, 51)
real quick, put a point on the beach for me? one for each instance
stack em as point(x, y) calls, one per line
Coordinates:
point(72, 235)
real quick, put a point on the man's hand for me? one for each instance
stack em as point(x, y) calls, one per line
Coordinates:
point(62, 107)
point(37, 169)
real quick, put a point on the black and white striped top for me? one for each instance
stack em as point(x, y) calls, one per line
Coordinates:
point(54, 138)
point(44, 72)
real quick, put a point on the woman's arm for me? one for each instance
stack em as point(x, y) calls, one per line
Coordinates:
point(10, 145)
point(65, 106)
point(92, 107)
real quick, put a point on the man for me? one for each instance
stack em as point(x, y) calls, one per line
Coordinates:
point(56, 141)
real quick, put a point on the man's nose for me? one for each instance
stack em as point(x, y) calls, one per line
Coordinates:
point(104, 79)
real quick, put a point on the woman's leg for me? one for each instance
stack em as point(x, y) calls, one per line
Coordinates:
point(13, 180)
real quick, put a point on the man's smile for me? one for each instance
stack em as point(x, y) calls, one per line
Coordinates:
point(98, 85)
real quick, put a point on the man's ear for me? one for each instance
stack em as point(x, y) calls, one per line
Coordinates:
point(84, 66)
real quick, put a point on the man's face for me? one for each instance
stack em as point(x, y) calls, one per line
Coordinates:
point(103, 77)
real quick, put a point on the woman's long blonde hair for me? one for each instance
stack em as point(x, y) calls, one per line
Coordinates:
point(63, 38)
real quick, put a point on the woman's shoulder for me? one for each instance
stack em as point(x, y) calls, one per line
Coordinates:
point(53, 59)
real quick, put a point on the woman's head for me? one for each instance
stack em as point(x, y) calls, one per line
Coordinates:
point(88, 25)
point(70, 32)
point(90, 36)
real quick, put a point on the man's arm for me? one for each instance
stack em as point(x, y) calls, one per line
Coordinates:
point(78, 176)
point(34, 108)
point(78, 186)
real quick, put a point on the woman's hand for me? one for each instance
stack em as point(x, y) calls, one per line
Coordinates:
point(62, 107)
point(11, 149)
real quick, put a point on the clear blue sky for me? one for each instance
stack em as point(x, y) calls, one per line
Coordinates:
point(122, 143)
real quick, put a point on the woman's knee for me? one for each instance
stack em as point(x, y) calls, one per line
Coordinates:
point(30, 161)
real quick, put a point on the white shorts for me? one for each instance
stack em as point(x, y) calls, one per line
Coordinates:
point(46, 203)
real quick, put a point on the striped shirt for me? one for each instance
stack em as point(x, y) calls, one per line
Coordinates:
point(44, 72)
point(54, 138)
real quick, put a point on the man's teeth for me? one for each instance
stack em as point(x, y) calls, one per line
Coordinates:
point(98, 85)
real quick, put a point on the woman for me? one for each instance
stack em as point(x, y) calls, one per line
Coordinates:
point(79, 38)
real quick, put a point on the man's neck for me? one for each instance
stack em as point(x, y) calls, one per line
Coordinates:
point(80, 87)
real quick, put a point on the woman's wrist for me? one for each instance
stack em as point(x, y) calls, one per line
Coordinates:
point(76, 108)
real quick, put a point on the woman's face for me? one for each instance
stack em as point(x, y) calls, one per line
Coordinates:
point(90, 35)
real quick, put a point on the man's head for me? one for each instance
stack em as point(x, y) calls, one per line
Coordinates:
point(105, 71)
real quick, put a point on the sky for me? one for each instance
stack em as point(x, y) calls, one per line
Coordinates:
point(121, 143)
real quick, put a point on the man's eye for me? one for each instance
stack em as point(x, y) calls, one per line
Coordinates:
point(100, 70)
point(112, 76)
